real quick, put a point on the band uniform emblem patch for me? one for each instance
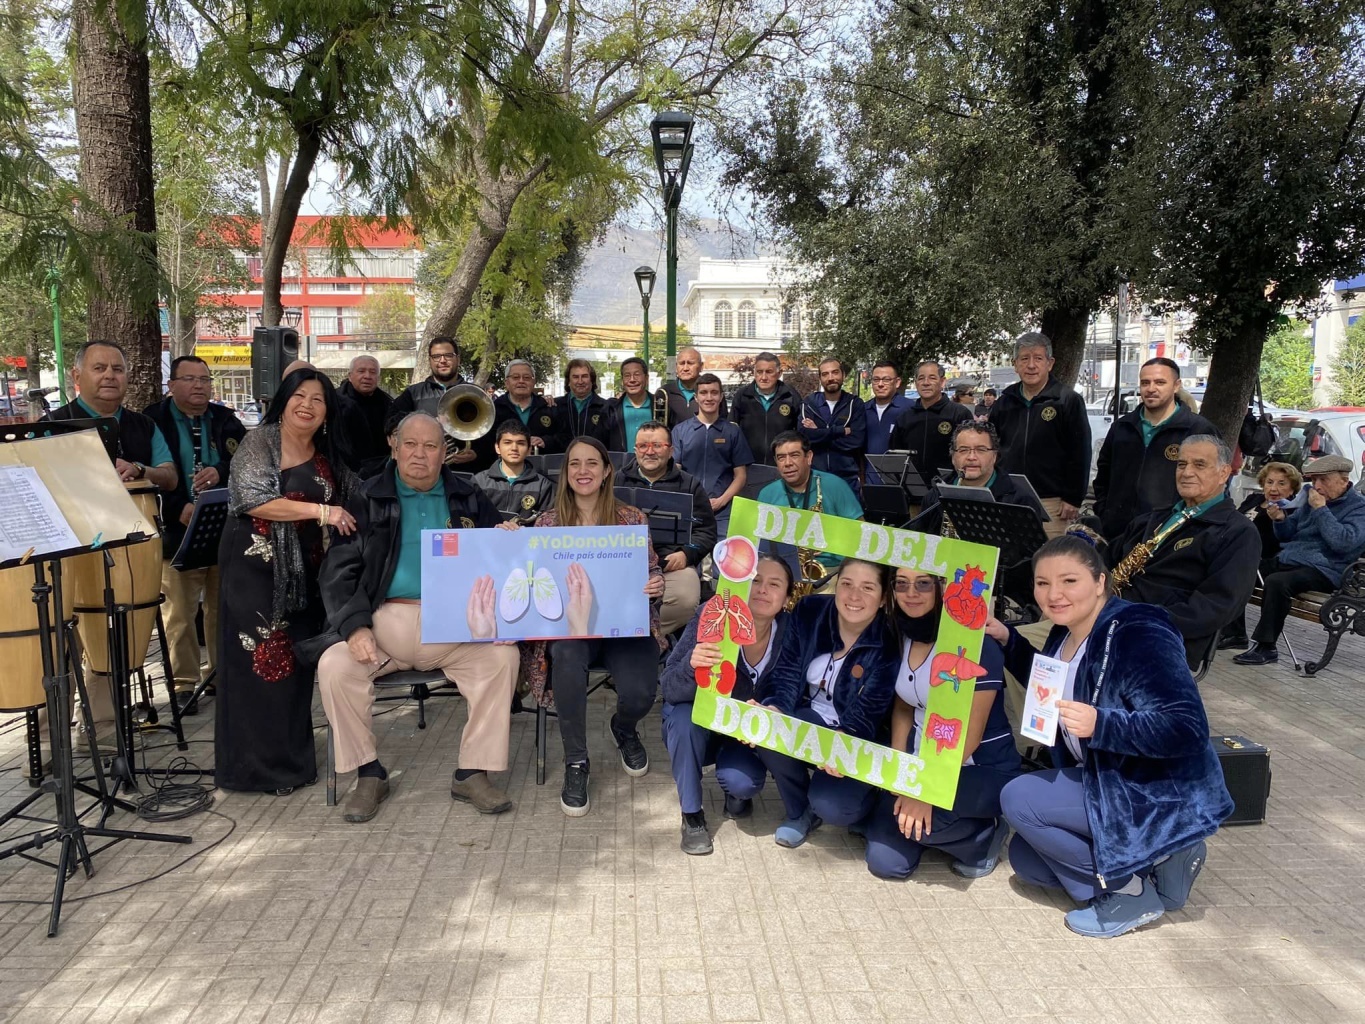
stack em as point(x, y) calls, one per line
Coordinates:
point(1183, 543)
point(784, 409)
point(466, 523)
point(1173, 452)
point(595, 418)
point(528, 501)
point(1049, 413)
point(945, 427)
point(232, 445)
point(545, 421)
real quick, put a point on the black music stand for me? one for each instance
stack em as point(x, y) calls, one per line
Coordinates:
point(546, 464)
point(670, 513)
point(105, 426)
point(896, 468)
point(759, 477)
point(198, 550)
point(887, 504)
point(1014, 529)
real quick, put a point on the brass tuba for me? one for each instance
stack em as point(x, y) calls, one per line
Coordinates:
point(465, 414)
point(813, 571)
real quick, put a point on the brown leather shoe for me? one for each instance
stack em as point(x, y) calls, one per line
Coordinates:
point(479, 791)
point(365, 799)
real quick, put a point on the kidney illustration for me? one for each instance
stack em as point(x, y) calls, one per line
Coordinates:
point(526, 585)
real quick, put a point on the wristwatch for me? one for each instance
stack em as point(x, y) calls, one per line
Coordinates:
point(141, 470)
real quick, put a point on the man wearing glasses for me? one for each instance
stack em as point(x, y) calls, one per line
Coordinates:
point(653, 467)
point(203, 436)
point(886, 408)
point(975, 449)
point(425, 396)
point(634, 408)
point(925, 429)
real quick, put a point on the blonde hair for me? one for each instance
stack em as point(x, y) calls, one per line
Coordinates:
point(1290, 473)
point(606, 510)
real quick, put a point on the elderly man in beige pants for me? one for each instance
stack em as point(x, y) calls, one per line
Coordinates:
point(371, 584)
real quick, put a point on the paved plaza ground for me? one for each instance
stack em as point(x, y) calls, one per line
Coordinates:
point(433, 913)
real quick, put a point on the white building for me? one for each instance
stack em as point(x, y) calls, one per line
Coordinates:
point(739, 308)
point(1347, 300)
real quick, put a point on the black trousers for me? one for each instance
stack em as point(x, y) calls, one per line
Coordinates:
point(633, 662)
point(1282, 583)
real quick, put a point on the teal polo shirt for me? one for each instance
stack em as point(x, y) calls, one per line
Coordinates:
point(161, 451)
point(1149, 429)
point(418, 511)
point(1199, 510)
point(208, 454)
point(633, 418)
point(837, 499)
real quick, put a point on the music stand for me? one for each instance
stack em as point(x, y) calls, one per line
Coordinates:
point(1030, 496)
point(106, 427)
point(898, 467)
point(760, 476)
point(199, 550)
point(887, 504)
point(547, 464)
point(46, 557)
point(670, 514)
point(1014, 529)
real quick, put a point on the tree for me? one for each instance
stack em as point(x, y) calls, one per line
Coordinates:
point(1348, 367)
point(1287, 367)
point(114, 123)
point(1259, 162)
point(388, 316)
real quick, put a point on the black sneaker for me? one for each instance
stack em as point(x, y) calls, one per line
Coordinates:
point(573, 799)
point(634, 758)
point(736, 808)
point(696, 841)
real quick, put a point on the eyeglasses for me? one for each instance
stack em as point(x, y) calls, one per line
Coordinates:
point(972, 451)
point(920, 586)
point(443, 359)
point(193, 380)
point(883, 380)
point(652, 446)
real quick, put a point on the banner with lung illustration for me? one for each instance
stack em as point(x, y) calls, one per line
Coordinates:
point(968, 571)
point(534, 583)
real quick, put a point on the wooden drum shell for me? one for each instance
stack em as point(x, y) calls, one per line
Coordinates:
point(21, 657)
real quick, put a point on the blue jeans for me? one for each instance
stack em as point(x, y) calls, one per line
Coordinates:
point(691, 747)
point(1052, 845)
point(891, 855)
point(835, 801)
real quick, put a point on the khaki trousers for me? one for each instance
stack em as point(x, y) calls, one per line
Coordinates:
point(184, 591)
point(1056, 525)
point(682, 594)
point(485, 674)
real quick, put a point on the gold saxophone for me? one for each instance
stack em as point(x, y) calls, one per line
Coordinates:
point(1135, 561)
point(813, 571)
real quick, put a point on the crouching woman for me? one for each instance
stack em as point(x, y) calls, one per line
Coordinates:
point(1120, 823)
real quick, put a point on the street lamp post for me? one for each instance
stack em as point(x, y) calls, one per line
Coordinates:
point(644, 280)
point(671, 131)
point(56, 250)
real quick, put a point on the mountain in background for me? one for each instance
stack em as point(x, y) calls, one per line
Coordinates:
point(606, 291)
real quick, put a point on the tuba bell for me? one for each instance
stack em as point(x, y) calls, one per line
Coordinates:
point(465, 413)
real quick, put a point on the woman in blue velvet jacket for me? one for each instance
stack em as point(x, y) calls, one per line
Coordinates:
point(972, 831)
point(837, 668)
point(739, 772)
point(1120, 824)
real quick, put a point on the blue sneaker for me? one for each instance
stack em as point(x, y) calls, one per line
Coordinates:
point(992, 858)
point(795, 831)
point(1174, 877)
point(1112, 914)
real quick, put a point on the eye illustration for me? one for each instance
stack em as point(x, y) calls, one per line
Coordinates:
point(525, 585)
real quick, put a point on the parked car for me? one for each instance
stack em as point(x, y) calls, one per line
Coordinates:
point(1304, 436)
point(250, 414)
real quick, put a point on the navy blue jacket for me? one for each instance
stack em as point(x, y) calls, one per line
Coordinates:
point(678, 681)
point(862, 700)
point(1329, 539)
point(879, 430)
point(1152, 781)
point(835, 451)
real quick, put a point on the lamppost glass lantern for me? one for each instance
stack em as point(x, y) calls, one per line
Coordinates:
point(292, 316)
point(671, 132)
point(644, 280)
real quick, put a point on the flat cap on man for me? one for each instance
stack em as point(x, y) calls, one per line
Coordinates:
point(1328, 464)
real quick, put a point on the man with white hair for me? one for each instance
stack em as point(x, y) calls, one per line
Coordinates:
point(682, 392)
point(361, 389)
point(371, 584)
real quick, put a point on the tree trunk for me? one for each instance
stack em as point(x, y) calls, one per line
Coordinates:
point(1232, 375)
point(283, 216)
point(1067, 329)
point(114, 125)
point(184, 334)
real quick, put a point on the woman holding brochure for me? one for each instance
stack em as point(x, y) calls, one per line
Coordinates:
point(972, 832)
point(1120, 823)
point(586, 497)
point(837, 668)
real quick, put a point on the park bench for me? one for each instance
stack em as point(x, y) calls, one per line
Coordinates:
point(1340, 612)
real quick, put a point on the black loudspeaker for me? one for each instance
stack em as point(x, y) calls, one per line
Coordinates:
point(272, 349)
point(1246, 773)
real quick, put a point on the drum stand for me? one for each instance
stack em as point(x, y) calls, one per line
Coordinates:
point(70, 831)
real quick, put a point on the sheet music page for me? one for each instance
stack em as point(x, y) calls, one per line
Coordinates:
point(29, 518)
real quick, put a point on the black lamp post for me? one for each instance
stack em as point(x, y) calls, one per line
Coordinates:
point(644, 280)
point(671, 131)
point(54, 241)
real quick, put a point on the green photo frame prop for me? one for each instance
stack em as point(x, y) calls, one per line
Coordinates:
point(969, 574)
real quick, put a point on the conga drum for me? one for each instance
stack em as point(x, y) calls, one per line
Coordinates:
point(136, 580)
point(21, 646)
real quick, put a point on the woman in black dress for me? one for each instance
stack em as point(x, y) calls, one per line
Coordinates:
point(287, 491)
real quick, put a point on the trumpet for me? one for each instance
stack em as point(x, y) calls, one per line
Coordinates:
point(465, 414)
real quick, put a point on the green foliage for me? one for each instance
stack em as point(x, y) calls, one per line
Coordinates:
point(1348, 368)
point(389, 316)
point(1287, 367)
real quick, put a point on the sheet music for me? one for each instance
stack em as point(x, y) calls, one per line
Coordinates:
point(29, 518)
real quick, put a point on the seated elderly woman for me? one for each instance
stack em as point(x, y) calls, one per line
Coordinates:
point(1281, 484)
point(1319, 544)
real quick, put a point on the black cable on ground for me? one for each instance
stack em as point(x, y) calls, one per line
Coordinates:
point(170, 800)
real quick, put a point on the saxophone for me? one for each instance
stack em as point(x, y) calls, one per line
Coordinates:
point(1135, 561)
point(813, 571)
